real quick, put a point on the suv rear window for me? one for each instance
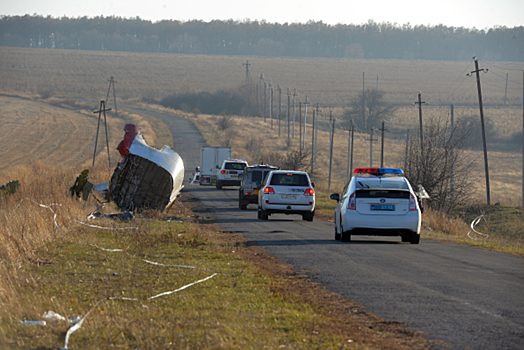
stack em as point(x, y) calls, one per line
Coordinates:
point(259, 175)
point(289, 180)
point(256, 176)
point(235, 166)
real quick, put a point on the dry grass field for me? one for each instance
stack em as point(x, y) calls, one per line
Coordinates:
point(71, 125)
point(48, 130)
point(329, 82)
point(62, 132)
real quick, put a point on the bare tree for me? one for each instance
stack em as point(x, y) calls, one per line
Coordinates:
point(433, 172)
point(368, 109)
point(292, 160)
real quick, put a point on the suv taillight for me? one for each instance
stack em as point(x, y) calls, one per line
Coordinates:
point(351, 202)
point(223, 172)
point(269, 190)
point(309, 192)
point(412, 203)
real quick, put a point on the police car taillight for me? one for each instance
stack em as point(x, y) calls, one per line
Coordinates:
point(412, 203)
point(309, 192)
point(352, 202)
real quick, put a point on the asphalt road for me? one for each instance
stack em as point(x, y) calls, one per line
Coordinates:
point(468, 298)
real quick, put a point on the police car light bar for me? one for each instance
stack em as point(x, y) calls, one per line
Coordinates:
point(378, 171)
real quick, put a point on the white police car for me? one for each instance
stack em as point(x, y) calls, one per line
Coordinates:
point(229, 173)
point(377, 202)
point(286, 192)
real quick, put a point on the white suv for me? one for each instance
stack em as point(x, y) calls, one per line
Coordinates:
point(228, 174)
point(287, 192)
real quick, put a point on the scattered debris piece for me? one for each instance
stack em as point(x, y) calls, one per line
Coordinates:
point(75, 319)
point(53, 316)
point(34, 323)
point(82, 187)
point(146, 178)
point(9, 188)
point(125, 216)
point(103, 190)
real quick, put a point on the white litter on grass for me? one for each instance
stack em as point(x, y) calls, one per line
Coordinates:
point(106, 228)
point(77, 326)
point(53, 316)
point(475, 223)
point(54, 213)
point(148, 261)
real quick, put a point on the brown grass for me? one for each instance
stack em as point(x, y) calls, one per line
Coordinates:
point(254, 302)
point(330, 82)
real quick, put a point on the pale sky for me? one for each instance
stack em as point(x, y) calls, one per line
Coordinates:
point(480, 14)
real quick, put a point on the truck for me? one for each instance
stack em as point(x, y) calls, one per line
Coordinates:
point(210, 161)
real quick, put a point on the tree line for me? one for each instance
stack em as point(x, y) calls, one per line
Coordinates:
point(259, 38)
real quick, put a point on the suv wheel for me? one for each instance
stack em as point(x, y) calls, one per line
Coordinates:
point(218, 185)
point(242, 207)
point(307, 217)
point(263, 215)
point(415, 239)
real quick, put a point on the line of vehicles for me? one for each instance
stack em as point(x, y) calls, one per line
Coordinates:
point(376, 201)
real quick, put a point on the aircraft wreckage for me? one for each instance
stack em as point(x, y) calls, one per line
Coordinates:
point(146, 178)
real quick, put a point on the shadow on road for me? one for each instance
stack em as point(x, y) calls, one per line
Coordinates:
point(291, 242)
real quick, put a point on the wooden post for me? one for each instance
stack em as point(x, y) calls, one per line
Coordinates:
point(486, 167)
point(331, 146)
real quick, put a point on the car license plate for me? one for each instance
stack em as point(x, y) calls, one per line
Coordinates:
point(288, 196)
point(256, 191)
point(234, 175)
point(382, 207)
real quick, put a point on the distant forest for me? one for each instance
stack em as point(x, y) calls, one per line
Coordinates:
point(253, 38)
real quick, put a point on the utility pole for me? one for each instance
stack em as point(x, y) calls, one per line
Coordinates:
point(332, 122)
point(265, 101)
point(506, 90)
point(486, 167)
point(349, 150)
point(271, 105)
point(352, 148)
point(406, 156)
point(288, 118)
point(247, 64)
point(363, 100)
point(382, 146)
point(371, 149)
point(300, 125)
point(312, 143)
point(451, 155)
point(102, 109)
point(419, 103)
point(279, 105)
point(112, 83)
point(316, 132)
point(294, 107)
point(305, 123)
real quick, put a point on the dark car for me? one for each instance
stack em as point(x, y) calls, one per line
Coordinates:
point(251, 181)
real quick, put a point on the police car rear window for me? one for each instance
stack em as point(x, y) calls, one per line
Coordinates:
point(235, 166)
point(289, 180)
point(365, 184)
point(382, 194)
